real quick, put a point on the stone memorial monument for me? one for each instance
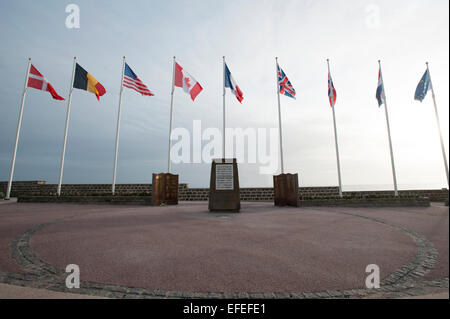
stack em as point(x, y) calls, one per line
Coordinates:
point(224, 194)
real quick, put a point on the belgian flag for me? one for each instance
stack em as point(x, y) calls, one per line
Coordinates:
point(87, 82)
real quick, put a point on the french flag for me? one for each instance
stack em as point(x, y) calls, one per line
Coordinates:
point(230, 83)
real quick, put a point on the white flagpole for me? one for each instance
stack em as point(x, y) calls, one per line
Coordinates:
point(336, 140)
point(224, 130)
point(279, 118)
point(394, 175)
point(19, 124)
point(439, 126)
point(171, 114)
point(67, 128)
point(118, 130)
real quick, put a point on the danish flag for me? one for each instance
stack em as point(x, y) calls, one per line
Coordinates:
point(37, 81)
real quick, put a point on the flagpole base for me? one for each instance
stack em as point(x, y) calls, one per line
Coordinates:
point(285, 188)
point(164, 189)
point(224, 192)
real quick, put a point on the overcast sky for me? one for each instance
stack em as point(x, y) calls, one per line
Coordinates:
point(354, 34)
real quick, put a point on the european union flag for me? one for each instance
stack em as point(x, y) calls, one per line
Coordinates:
point(423, 87)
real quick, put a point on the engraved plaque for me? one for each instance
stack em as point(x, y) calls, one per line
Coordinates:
point(224, 193)
point(224, 177)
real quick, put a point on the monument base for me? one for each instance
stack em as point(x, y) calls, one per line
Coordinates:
point(224, 193)
point(164, 189)
point(285, 187)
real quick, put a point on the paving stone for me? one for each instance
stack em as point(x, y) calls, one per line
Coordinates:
point(297, 295)
point(282, 295)
point(310, 295)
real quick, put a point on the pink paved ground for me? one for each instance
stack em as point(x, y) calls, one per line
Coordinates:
point(261, 249)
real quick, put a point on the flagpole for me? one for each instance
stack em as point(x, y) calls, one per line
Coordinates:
point(67, 128)
point(439, 126)
point(279, 118)
point(118, 130)
point(224, 130)
point(336, 140)
point(171, 114)
point(394, 175)
point(19, 124)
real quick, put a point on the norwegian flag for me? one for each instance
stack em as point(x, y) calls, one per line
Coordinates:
point(284, 84)
point(37, 81)
point(331, 91)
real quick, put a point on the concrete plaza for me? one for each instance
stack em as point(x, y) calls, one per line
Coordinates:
point(186, 252)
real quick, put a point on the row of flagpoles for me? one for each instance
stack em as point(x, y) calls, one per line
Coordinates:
point(83, 80)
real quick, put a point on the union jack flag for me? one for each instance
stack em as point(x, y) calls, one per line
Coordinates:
point(131, 81)
point(284, 85)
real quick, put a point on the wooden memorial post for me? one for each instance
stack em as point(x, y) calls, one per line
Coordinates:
point(165, 185)
point(285, 186)
point(164, 189)
point(224, 193)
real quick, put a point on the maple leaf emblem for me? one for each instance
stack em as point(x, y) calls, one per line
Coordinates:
point(187, 80)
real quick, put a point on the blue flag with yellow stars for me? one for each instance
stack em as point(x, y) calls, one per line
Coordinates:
point(423, 87)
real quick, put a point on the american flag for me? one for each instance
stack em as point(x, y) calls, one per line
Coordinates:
point(285, 85)
point(131, 81)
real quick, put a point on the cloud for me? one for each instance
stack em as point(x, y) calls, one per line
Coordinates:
point(250, 33)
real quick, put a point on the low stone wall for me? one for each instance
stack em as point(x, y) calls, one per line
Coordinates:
point(146, 200)
point(40, 188)
point(435, 195)
point(369, 202)
point(124, 200)
point(185, 193)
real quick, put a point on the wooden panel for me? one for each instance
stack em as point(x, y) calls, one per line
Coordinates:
point(165, 189)
point(286, 190)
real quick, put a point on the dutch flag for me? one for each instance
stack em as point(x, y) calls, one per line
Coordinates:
point(381, 97)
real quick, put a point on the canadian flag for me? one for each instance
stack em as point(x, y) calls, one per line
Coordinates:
point(186, 81)
point(37, 81)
